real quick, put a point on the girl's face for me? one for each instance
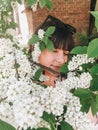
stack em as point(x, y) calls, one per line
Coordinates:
point(53, 59)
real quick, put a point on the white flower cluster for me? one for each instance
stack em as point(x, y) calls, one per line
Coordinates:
point(32, 99)
point(7, 66)
point(78, 60)
point(6, 46)
point(36, 53)
point(83, 81)
point(24, 69)
point(74, 116)
point(10, 56)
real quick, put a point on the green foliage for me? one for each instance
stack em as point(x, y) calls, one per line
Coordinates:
point(42, 46)
point(92, 50)
point(47, 3)
point(94, 83)
point(87, 99)
point(42, 3)
point(6, 17)
point(31, 2)
point(83, 93)
point(50, 118)
point(48, 43)
point(33, 40)
point(38, 74)
point(79, 50)
point(82, 38)
point(94, 70)
point(45, 42)
point(65, 126)
point(5, 126)
point(95, 14)
point(50, 31)
point(64, 68)
point(47, 117)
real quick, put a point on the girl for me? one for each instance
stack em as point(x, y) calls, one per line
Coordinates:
point(63, 42)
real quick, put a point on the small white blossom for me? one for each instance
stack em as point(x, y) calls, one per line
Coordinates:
point(41, 33)
point(36, 53)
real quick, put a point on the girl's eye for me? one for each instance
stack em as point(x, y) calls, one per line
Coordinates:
point(55, 51)
point(65, 54)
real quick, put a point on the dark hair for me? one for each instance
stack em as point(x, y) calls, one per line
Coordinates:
point(62, 37)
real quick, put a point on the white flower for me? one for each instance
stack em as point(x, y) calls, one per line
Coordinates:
point(78, 60)
point(11, 32)
point(6, 46)
point(41, 33)
point(36, 53)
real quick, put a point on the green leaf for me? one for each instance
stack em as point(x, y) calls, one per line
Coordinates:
point(64, 68)
point(47, 117)
point(83, 93)
point(45, 40)
point(86, 103)
point(31, 2)
point(94, 70)
point(50, 30)
point(85, 67)
point(79, 50)
point(52, 125)
point(50, 118)
point(42, 46)
point(42, 3)
point(49, 4)
point(86, 98)
point(66, 126)
point(93, 108)
point(12, 25)
point(64, 109)
point(50, 45)
point(34, 39)
point(92, 50)
point(95, 14)
point(6, 126)
point(38, 74)
point(94, 84)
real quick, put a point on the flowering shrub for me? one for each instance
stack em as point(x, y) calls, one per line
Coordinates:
point(34, 102)
point(40, 108)
point(27, 105)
